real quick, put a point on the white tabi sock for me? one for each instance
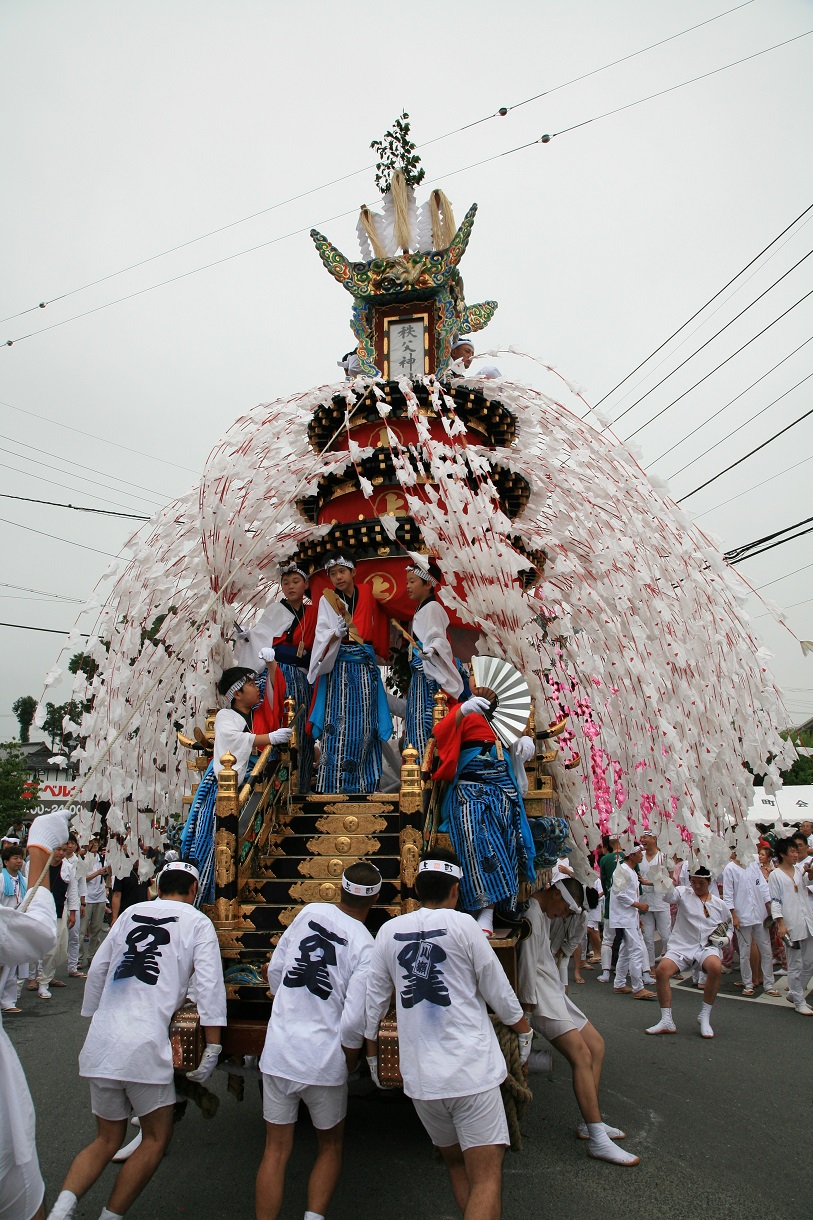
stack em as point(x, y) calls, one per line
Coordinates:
point(64, 1207)
point(106, 1214)
point(485, 919)
point(602, 1148)
point(704, 1021)
point(665, 1025)
point(314, 1216)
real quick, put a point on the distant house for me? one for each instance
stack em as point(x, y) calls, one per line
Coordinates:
point(57, 785)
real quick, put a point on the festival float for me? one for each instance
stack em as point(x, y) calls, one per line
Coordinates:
point(650, 693)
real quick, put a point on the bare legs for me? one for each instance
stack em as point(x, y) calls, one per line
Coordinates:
point(476, 1177)
point(135, 1173)
point(279, 1142)
point(584, 1051)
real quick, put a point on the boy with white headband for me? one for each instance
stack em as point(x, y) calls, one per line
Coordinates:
point(445, 973)
point(554, 1015)
point(625, 914)
point(316, 977)
point(137, 980)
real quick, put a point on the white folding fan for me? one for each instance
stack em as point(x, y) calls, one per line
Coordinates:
point(509, 695)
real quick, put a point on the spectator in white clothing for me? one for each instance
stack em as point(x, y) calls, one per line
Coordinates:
point(74, 860)
point(656, 918)
point(792, 909)
point(95, 903)
point(445, 973)
point(318, 982)
point(625, 911)
point(65, 893)
point(12, 893)
point(745, 893)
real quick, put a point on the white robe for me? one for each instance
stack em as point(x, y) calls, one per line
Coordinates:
point(24, 935)
point(326, 643)
point(231, 735)
point(273, 623)
point(430, 625)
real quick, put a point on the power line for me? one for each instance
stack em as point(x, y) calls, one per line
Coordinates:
point(83, 466)
point(739, 427)
point(50, 630)
point(544, 139)
point(793, 606)
point(95, 437)
point(68, 541)
point(771, 545)
point(711, 339)
point(795, 572)
point(25, 589)
point(28, 474)
point(717, 367)
point(122, 491)
point(501, 113)
point(755, 487)
point(710, 301)
point(703, 76)
point(738, 553)
point(76, 507)
point(714, 479)
point(731, 402)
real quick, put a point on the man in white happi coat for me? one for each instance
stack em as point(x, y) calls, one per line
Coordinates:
point(65, 891)
point(701, 931)
point(318, 982)
point(746, 894)
point(626, 908)
point(138, 979)
point(792, 909)
point(25, 933)
point(75, 862)
point(445, 973)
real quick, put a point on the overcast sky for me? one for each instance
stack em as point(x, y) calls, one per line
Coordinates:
point(131, 128)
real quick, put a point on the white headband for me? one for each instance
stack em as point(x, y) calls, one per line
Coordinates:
point(423, 574)
point(459, 340)
point(440, 866)
point(180, 866)
point(291, 569)
point(238, 686)
point(568, 897)
point(340, 562)
point(361, 891)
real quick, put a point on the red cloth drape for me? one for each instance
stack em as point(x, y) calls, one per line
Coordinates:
point(268, 717)
point(451, 738)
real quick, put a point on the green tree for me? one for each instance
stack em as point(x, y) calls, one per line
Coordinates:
point(802, 770)
point(13, 779)
point(55, 713)
point(24, 709)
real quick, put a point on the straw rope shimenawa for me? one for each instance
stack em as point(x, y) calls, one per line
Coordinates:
point(367, 222)
point(516, 1095)
point(443, 225)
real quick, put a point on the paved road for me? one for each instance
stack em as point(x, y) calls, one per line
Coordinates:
point(722, 1127)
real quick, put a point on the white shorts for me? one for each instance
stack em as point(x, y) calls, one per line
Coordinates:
point(692, 958)
point(472, 1122)
point(551, 1027)
point(594, 917)
point(21, 1191)
point(327, 1103)
point(118, 1099)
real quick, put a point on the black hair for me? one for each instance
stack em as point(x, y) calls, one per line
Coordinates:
point(176, 881)
point(72, 839)
point(782, 846)
point(799, 836)
point(702, 873)
point(230, 676)
point(361, 873)
point(436, 887)
point(575, 889)
point(592, 897)
point(12, 849)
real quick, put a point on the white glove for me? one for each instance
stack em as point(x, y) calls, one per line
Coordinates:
point(526, 1041)
point(207, 1064)
point(49, 830)
point(267, 655)
point(429, 650)
point(477, 705)
point(280, 737)
point(525, 749)
point(341, 630)
point(372, 1064)
point(241, 633)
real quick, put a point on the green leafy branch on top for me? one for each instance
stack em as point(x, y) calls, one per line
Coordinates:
point(396, 151)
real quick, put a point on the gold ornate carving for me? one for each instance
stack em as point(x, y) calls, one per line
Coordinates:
point(351, 824)
point(343, 845)
point(318, 866)
point(410, 855)
point(440, 706)
point(315, 891)
point(225, 845)
point(288, 916)
point(355, 808)
point(409, 904)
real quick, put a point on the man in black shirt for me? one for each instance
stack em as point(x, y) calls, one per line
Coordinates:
point(127, 891)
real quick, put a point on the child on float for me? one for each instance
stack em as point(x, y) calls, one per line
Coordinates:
point(554, 1015)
